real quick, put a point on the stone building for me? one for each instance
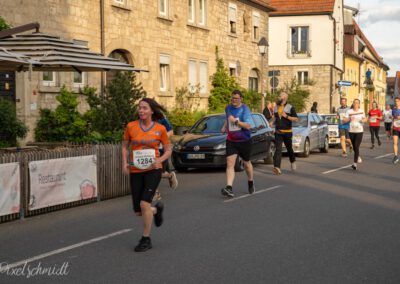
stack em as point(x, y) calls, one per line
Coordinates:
point(306, 44)
point(174, 40)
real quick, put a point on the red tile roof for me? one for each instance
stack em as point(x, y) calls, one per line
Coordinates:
point(296, 7)
point(264, 3)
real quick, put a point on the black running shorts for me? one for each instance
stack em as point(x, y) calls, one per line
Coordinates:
point(243, 149)
point(143, 187)
point(396, 133)
point(344, 132)
point(388, 126)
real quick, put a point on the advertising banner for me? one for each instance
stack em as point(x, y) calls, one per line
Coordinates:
point(10, 188)
point(60, 181)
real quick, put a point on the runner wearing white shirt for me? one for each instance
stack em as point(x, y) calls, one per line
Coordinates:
point(387, 118)
point(356, 117)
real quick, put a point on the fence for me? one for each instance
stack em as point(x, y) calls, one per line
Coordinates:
point(111, 182)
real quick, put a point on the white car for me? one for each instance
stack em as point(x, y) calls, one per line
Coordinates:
point(333, 128)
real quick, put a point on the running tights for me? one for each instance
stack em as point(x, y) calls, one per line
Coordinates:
point(356, 139)
point(374, 133)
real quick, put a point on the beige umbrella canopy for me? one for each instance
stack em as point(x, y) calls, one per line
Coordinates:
point(12, 61)
point(50, 53)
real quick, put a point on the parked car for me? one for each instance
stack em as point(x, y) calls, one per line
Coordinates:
point(203, 146)
point(333, 128)
point(310, 133)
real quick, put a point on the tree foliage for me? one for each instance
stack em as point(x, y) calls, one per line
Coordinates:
point(4, 25)
point(11, 127)
point(298, 95)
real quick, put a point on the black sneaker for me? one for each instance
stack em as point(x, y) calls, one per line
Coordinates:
point(395, 160)
point(354, 166)
point(227, 192)
point(372, 146)
point(158, 217)
point(144, 244)
point(251, 188)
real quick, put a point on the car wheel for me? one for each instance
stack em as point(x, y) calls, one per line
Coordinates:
point(326, 146)
point(239, 167)
point(306, 150)
point(270, 155)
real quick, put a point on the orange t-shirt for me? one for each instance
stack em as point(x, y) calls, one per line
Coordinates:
point(144, 145)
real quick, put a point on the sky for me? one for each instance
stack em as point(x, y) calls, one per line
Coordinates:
point(380, 22)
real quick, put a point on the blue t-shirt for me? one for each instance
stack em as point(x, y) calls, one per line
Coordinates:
point(395, 114)
point(342, 113)
point(236, 133)
point(166, 123)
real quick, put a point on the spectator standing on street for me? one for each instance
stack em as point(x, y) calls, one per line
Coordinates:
point(387, 118)
point(314, 107)
point(238, 143)
point(356, 117)
point(375, 117)
point(396, 129)
point(141, 142)
point(284, 115)
point(268, 111)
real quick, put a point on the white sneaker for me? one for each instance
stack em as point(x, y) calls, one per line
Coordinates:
point(294, 166)
point(173, 181)
point(359, 160)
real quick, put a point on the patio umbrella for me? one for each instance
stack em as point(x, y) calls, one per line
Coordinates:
point(13, 61)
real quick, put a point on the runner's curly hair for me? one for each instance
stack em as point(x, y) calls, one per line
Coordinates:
point(158, 109)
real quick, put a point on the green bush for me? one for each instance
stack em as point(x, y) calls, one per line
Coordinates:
point(11, 127)
point(185, 118)
point(4, 25)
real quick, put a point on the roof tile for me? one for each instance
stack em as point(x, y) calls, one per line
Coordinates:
point(294, 7)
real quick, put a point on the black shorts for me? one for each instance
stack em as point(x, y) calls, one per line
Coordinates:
point(243, 149)
point(344, 132)
point(143, 187)
point(388, 126)
point(396, 133)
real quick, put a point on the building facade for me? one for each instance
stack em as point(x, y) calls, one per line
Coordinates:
point(306, 44)
point(174, 40)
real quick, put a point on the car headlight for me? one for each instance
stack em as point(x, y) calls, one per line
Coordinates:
point(297, 138)
point(220, 146)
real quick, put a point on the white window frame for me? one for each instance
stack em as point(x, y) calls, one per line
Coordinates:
point(79, 84)
point(120, 2)
point(256, 18)
point(233, 66)
point(49, 83)
point(301, 80)
point(251, 77)
point(166, 5)
point(165, 76)
point(192, 12)
point(232, 17)
point(203, 82)
point(202, 12)
point(192, 78)
point(299, 40)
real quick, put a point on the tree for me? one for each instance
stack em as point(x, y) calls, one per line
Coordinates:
point(11, 127)
point(298, 96)
point(4, 25)
point(110, 113)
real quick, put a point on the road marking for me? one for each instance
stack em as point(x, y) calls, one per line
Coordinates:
point(383, 156)
point(248, 195)
point(61, 250)
point(335, 170)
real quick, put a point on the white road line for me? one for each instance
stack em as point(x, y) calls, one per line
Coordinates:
point(335, 170)
point(61, 250)
point(383, 156)
point(248, 195)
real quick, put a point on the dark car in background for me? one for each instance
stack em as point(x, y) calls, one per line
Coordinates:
point(203, 146)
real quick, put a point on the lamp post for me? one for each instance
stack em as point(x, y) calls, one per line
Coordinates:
point(262, 48)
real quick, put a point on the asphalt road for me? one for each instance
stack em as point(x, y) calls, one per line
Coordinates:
point(321, 224)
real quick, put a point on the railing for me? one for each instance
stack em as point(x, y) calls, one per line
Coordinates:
point(111, 182)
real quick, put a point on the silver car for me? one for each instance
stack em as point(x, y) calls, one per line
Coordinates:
point(310, 133)
point(333, 128)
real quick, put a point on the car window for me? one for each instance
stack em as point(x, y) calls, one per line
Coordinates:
point(331, 119)
point(312, 119)
point(207, 125)
point(317, 118)
point(259, 121)
point(301, 122)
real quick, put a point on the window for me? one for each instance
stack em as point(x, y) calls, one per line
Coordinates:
point(232, 18)
point(164, 73)
point(79, 79)
point(202, 12)
point(256, 26)
point(259, 121)
point(191, 12)
point(253, 80)
point(232, 69)
point(163, 8)
point(120, 2)
point(203, 78)
point(49, 78)
point(302, 77)
point(192, 75)
point(299, 40)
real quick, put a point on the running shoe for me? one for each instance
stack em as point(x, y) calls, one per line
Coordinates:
point(372, 146)
point(158, 217)
point(344, 154)
point(173, 181)
point(379, 143)
point(395, 160)
point(251, 188)
point(227, 192)
point(277, 171)
point(157, 196)
point(354, 166)
point(359, 160)
point(144, 244)
point(293, 166)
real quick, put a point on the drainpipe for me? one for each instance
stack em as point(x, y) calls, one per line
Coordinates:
point(102, 44)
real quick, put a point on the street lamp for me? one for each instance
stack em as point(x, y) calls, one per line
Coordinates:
point(262, 48)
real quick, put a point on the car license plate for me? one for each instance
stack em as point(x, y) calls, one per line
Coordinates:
point(196, 156)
